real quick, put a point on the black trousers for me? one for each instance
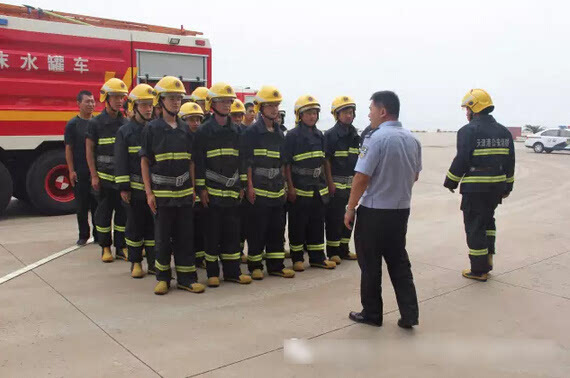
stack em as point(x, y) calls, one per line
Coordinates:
point(338, 236)
point(174, 233)
point(109, 202)
point(479, 219)
point(199, 243)
point(244, 207)
point(140, 232)
point(382, 233)
point(222, 241)
point(266, 231)
point(307, 227)
point(84, 201)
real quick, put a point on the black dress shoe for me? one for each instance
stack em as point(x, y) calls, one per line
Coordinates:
point(81, 242)
point(359, 318)
point(406, 324)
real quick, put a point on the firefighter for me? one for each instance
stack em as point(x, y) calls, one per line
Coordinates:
point(140, 223)
point(485, 166)
point(220, 179)
point(342, 145)
point(192, 114)
point(99, 148)
point(263, 148)
point(200, 97)
point(237, 113)
point(168, 176)
point(307, 191)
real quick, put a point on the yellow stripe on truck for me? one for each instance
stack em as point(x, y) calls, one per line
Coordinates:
point(40, 115)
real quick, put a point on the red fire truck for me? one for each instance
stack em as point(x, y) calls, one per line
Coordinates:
point(46, 58)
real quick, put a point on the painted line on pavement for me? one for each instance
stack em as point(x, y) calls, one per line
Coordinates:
point(39, 263)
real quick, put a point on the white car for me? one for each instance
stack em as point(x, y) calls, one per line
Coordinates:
point(549, 140)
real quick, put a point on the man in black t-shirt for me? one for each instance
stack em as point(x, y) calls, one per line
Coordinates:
point(77, 164)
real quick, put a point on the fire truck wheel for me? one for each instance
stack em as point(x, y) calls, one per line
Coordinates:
point(5, 187)
point(48, 184)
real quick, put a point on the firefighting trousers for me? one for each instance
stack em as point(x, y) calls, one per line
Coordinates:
point(338, 236)
point(479, 219)
point(174, 234)
point(140, 232)
point(382, 233)
point(244, 207)
point(222, 241)
point(109, 201)
point(266, 231)
point(307, 227)
point(199, 219)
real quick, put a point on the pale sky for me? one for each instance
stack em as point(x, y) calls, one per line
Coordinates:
point(429, 52)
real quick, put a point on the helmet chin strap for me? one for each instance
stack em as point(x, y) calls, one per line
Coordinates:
point(140, 114)
point(217, 112)
point(109, 104)
point(172, 114)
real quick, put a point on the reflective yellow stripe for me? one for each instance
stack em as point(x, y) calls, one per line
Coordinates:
point(159, 266)
point(256, 258)
point(341, 153)
point(452, 177)
point(510, 180)
point(210, 258)
point(106, 141)
point(345, 240)
point(304, 193)
point(296, 247)
point(222, 193)
point(149, 243)
point(173, 193)
point(103, 229)
point(132, 243)
point(222, 152)
point(200, 254)
point(119, 228)
point(173, 156)
point(478, 252)
point(341, 186)
point(230, 256)
point(105, 176)
point(243, 177)
point(185, 269)
point(309, 155)
point(134, 149)
point(315, 247)
point(198, 199)
point(201, 182)
point(268, 153)
point(484, 179)
point(490, 151)
point(353, 150)
point(275, 255)
point(324, 191)
point(491, 233)
point(137, 185)
point(269, 194)
point(331, 243)
point(122, 179)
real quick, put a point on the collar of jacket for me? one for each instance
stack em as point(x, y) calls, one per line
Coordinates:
point(483, 119)
point(106, 118)
point(262, 129)
point(306, 130)
point(181, 125)
point(229, 124)
point(343, 130)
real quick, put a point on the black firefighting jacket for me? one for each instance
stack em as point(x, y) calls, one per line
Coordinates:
point(342, 146)
point(127, 160)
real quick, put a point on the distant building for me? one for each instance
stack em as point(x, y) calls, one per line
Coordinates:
point(516, 131)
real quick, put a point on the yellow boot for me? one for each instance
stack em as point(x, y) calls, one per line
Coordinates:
point(478, 277)
point(299, 266)
point(242, 279)
point(336, 260)
point(161, 288)
point(257, 274)
point(327, 264)
point(285, 273)
point(213, 282)
point(122, 254)
point(193, 288)
point(107, 256)
point(351, 256)
point(137, 270)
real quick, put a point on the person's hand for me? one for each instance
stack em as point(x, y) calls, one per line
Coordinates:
point(332, 189)
point(204, 198)
point(72, 177)
point(349, 218)
point(126, 196)
point(95, 183)
point(241, 194)
point(151, 201)
point(194, 196)
point(291, 195)
point(251, 194)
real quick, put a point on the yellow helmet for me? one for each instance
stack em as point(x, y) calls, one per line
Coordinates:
point(199, 94)
point(341, 102)
point(266, 94)
point(112, 86)
point(303, 103)
point(190, 109)
point(168, 84)
point(477, 100)
point(237, 107)
point(219, 90)
point(140, 92)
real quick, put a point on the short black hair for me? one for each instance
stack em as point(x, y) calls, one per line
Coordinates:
point(388, 100)
point(248, 105)
point(83, 93)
